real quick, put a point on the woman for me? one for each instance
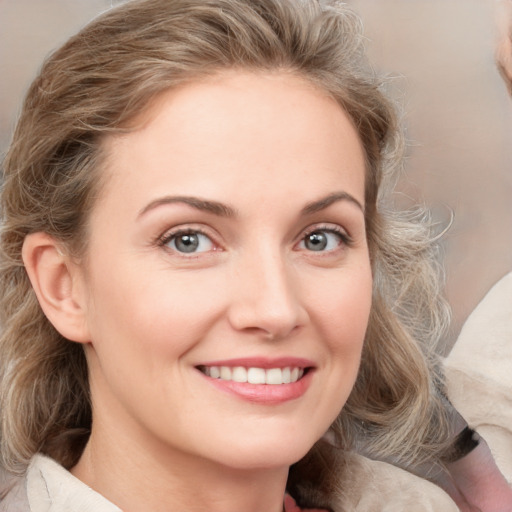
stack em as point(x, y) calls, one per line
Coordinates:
point(199, 271)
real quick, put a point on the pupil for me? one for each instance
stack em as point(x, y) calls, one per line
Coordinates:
point(187, 243)
point(316, 241)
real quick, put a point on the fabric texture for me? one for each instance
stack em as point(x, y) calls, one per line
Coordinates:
point(370, 487)
point(479, 372)
point(373, 486)
point(48, 487)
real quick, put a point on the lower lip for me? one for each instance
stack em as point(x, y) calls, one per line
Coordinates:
point(269, 394)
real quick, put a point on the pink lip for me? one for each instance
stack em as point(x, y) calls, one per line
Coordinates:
point(262, 362)
point(266, 394)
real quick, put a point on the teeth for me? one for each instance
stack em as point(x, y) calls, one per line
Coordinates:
point(225, 373)
point(256, 376)
point(239, 374)
point(272, 376)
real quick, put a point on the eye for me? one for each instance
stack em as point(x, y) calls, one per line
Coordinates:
point(324, 240)
point(188, 242)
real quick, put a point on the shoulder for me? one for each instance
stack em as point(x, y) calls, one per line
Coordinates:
point(369, 486)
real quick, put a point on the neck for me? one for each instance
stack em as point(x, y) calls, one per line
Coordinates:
point(137, 477)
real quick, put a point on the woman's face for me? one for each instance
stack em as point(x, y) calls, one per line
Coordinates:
point(228, 246)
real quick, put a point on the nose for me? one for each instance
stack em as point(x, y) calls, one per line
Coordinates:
point(266, 299)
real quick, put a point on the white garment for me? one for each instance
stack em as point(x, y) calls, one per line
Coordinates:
point(479, 372)
point(370, 487)
point(48, 487)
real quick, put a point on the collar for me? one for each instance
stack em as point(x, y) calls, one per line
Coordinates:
point(51, 488)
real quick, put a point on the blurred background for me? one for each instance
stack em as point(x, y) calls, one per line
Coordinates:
point(440, 56)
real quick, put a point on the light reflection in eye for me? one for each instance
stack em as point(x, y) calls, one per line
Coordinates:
point(188, 242)
point(322, 240)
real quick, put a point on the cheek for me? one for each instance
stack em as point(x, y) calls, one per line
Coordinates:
point(150, 313)
point(344, 309)
point(341, 309)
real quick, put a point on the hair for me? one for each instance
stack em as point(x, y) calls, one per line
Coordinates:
point(97, 84)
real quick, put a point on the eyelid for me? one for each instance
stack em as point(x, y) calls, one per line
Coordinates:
point(183, 229)
point(346, 239)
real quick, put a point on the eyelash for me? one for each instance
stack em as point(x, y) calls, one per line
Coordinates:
point(169, 236)
point(165, 239)
point(345, 239)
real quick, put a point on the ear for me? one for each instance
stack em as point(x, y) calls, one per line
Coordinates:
point(57, 282)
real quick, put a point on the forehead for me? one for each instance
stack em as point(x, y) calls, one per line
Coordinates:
point(237, 129)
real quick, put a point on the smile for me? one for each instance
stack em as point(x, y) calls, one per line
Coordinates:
point(254, 375)
point(260, 380)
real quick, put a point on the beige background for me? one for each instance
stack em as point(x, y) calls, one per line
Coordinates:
point(440, 54)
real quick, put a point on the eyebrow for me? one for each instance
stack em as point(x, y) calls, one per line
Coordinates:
point(223, 210)
point(325, 202)
point(204, 205)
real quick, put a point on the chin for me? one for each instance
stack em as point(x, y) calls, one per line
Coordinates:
point(267, 454)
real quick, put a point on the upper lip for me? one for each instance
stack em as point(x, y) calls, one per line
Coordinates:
point(262, 362)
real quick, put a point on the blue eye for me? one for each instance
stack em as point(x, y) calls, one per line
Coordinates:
point(322, 240)
point(188, 242)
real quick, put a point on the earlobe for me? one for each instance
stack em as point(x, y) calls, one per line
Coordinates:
point(56, 282)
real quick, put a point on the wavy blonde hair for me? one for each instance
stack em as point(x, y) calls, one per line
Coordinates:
point(97, 84)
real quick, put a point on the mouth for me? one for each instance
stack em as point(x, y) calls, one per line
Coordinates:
point(255, 375)
point(260, 380)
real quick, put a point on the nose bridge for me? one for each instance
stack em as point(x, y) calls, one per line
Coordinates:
point(267, 294)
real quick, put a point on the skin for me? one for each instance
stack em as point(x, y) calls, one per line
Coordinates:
point(479, 485)
point(273, 150)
